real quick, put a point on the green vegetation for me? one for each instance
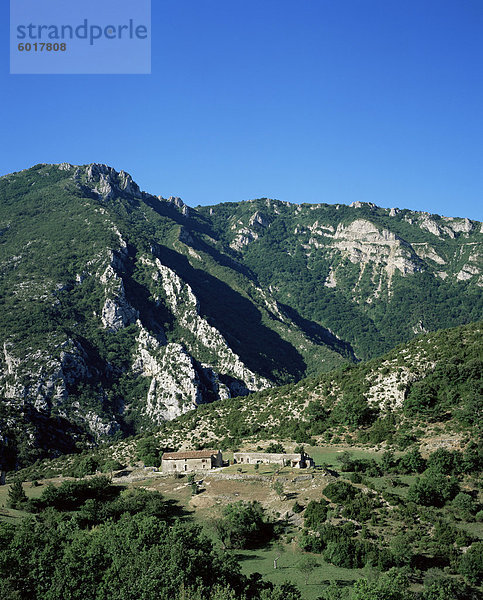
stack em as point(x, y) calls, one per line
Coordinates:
point(92, 540)
point(244, 525)
point(269, 301)
point(58, 239)
point(350, 532)
point(353, 404)
point(275, 448)
point(295, 254)
point(399, 522)
point(16, 495)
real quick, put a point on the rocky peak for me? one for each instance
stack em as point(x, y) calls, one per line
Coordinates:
point(107, 183)
point(359, 204)
point(177, 202)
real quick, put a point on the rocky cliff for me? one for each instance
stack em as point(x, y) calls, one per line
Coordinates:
point(373, 276)
point(122, 309)
point(119, 312)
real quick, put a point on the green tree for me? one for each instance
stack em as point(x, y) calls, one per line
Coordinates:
point(285, 591)
point(401, 550)
point(278, 488)
point(443, 461)
point(111, 465)
point(243, 525)
point(315, 513)
point(306, 566)
point(149, 451)
point(388, 461)
point(16, 495)
point(465, 505)
point(275, 448)
point(390, 586)
point(471, 563)
point(445, 588)
point(433, 489)
point(412, 462)
point(340, 491)
point(86, 465)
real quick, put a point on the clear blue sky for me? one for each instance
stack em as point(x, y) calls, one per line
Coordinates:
point(301, 100)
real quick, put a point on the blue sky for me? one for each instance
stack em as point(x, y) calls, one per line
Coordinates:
point(301, 100)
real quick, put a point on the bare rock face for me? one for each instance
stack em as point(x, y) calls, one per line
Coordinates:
point(107, 183)
point(116, 312)
point(175, 385)
point(251, 231)
point(425, 251)
point(364, 244)
point(244, 237)
point(42, 378)
point(177, 381)
point(100, 428)
point(259, 220)
point(184, 305)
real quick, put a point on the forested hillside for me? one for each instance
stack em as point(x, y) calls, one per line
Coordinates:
point(118, 312)
point(391, 511)
point(121, 310)
point(374, 276)
point(432, 386)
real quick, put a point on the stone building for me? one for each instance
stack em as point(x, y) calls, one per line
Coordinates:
point(297, 461)
point(190, 461)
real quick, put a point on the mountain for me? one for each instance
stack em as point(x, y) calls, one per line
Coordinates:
point(427, 392)
point(121, 309)
point(375, 277)
point(409, 513)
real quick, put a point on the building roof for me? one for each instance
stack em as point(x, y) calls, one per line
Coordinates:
point(189, 454)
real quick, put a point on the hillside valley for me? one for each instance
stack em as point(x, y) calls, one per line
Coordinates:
point(121, 310)
point(241, 300)
point(391, 510)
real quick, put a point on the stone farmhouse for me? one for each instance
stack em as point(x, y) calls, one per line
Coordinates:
point(190, 461)
point(297, 461)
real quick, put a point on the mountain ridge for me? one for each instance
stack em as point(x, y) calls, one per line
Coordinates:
point(121, 308)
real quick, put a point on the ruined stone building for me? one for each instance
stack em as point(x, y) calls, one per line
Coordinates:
point(298, 461)
point(191, 461)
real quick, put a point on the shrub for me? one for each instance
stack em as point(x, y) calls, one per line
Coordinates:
point(16, 495)
point(433, 489)
point(86, 465)
point(412, 462)
point(243, 525)
point(315, 513)
point(110, 465)
point(275, 448)
point(465, 505)
point(149, 452)
point(471, 563)
point(340, 491)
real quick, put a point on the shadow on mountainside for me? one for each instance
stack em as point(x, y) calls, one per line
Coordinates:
point(260, 348)
point(319, 334)
point(197, 223)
